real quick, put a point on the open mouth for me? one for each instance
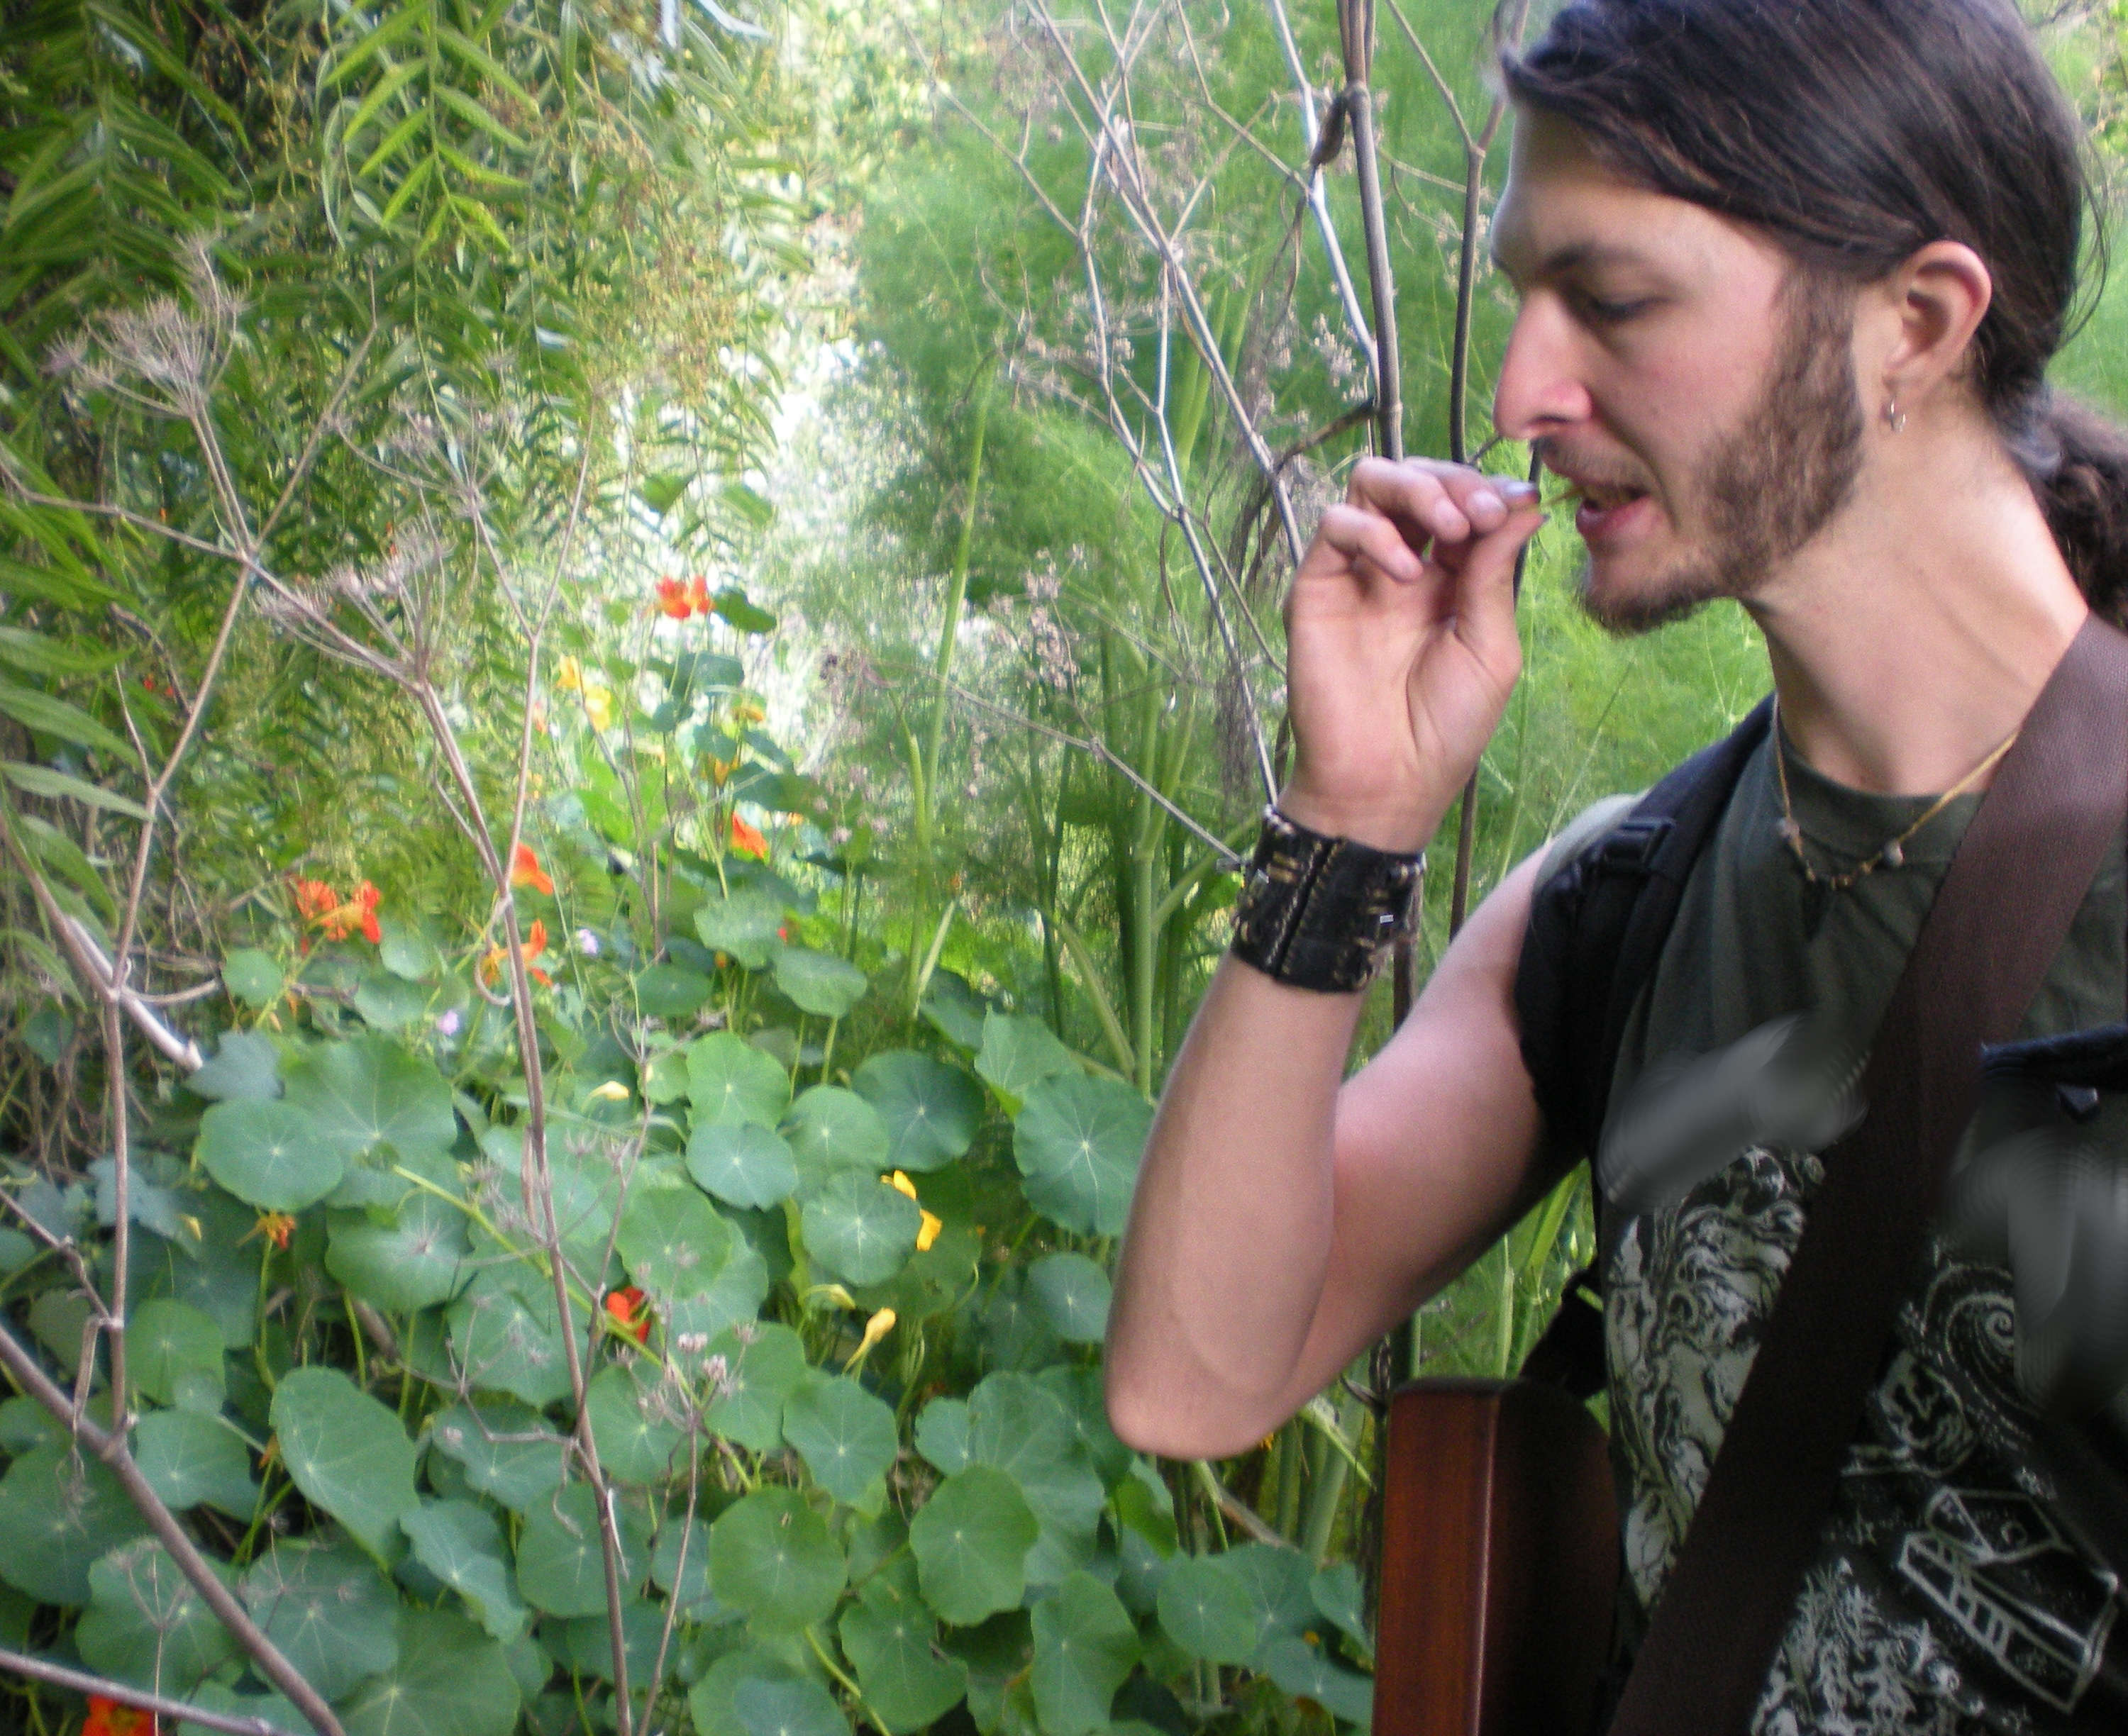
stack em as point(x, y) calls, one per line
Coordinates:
point(1606, 508)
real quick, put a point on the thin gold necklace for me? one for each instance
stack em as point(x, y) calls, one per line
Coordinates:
point(1894, 855)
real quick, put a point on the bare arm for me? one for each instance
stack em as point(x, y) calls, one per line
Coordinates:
point(1282, 1221)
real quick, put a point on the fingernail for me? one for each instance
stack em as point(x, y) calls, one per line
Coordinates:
point(1484, 499)
point(1518, 490)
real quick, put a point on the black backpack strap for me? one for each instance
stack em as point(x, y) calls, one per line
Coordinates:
point(1596, 927)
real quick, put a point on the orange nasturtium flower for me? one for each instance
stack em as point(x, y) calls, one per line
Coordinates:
point(110, 1718)
point(748, 841)
point(698, 595)
point(673, 601)
point(535, 944)
point(525, 871)
point(320, 906)
point(275, 1226)
point(627, 1312)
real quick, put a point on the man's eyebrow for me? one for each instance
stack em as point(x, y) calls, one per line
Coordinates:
point(1575, 256)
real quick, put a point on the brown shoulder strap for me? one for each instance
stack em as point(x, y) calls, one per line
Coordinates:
point(2054, 807)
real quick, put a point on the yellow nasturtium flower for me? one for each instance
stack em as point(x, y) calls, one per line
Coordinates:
point(876, 1328)
point(927, 1232)
point(598, 706)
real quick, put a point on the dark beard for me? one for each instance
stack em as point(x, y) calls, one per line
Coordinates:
point(1775, 480)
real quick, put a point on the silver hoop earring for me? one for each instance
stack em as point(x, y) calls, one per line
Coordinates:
point(1895, 418)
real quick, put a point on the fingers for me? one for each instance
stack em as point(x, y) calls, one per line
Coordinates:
point(1485, 589)
point(1448, 503)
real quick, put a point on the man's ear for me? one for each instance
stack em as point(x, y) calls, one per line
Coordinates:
point(1931, 307)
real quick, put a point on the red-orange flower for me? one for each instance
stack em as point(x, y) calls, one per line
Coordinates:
point(320, 906)
point(627, 1312)
point(672, 600)
point(535, 944)
point(275, 1226)
point(315, 899)
point(698, 595)
point(748, 841)
point(111, 1718)
point(525, 871)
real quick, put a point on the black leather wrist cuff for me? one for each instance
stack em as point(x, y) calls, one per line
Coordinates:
point(1321, 912)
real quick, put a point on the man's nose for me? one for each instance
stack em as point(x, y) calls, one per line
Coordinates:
point(1540, 390)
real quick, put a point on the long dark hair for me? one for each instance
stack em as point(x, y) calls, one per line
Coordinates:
point(1856, 132)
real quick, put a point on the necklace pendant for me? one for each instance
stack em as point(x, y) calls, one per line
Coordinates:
point(1791, 834)
point(1892, 856)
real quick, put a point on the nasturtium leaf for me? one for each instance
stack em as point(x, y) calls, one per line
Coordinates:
point(1028, 1432)
point(1207, 1609)
point(1336, 1592)
point(762, 1362)
point(368, 1091)
point(407, 952)
point(955, 1009)
point(146, 1625)
point(665, 1079)
point(347, 1453)
point(1279, 1582)
point(174, 1355)
point(931, 1111)
point(253, 977)
point(508, 1451)
point(244, 1065)
point(636, 1437)
point(1303, 1670)
point(1084, 1646)
point(671, 992)
point(743, 1163)
point(971, 1540)
point(730, 1080)
point(743, 926)
point(561, 1566)
point(451, 1679)
point(733, 603)
point(712, 1701)
point(845, 1435)
point(819, 983)
point(770, 1555)
point(221, 1277)
point(415, 1260)
point(271, 1154)
point(788, 1709)
point(1078, 1391)
point(1018, 1053)
point(1073, 1292)
point(859, 1229)
point(331, 1613)
point(942, 1435)
point(212, 1696)
point(891, 1638)
point(506, 1336)
point(584, 1644)
point(1077, 1142)
point(673, 1239)
point(680, 1567)
point(733, 1298)
point(59, 1511)
point(191, 1460)
point(461, 1543)
point(388, 1002)
point(831, 1129)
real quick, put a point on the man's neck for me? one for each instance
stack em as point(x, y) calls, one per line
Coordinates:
point(1912, 634)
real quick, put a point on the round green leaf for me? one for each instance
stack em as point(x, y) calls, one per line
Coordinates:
point(712, 1701)
point(1073, 1292)
point(931, 1111)
point(743, 926)
point(461, 1543)
point(561, 1567)
point(735, 1298)
point(59, 1511)
point(970, 1541)
point(844, 1434)
point(244, 1065)
point(271, 1154)
point(770, 1555)
point(788, 1709)
point(1077, 1142)
point(387, 1001)
point(1028, 1431)
point(147, 1625)
point(212, 1696)
point(680, 1566)
point(1207, 1610)
point(831, 1129)
point(743, 1163)
point(191, 1460)
point(508, 1451)
point(819, 983)
point(891, 1638)
point(1304, 1672)
point(1084, 1646)
point(369, 1091)
point(942, 1435)
point(253, 977)
point(673, 1241)
point(407, 952)
point(671, 992)
point(412, 1260)
point(174, 1355)
point(505, 1335)
point(636, 1437)
point(761, 1362)
point(584, 1644)
point(859, 1230)
point(346, 1452)
point(730, 1080)
point(451, 1679)
point(1018, 1053)
point(331, 1613)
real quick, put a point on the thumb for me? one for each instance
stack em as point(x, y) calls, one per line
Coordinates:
point(1485, 590)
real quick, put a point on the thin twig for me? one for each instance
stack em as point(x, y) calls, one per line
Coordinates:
point(79, 1682)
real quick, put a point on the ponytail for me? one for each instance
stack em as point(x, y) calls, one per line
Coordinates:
point(2076, 463)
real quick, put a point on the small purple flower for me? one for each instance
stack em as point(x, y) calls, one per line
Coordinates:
point(587, 942)
point(449, 1023)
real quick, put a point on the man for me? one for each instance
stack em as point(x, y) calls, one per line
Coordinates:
point(1789, 278)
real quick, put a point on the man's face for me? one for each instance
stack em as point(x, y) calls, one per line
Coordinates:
point(1675, 366)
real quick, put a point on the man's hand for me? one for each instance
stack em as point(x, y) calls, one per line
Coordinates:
point(1401, 646)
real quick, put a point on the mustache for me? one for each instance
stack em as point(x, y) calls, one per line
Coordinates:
point(1578, 470)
